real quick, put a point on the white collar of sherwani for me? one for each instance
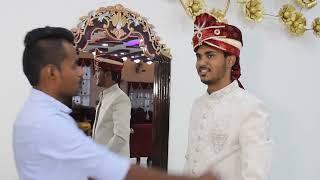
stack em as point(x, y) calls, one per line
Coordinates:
point(111, 89)
point(224, 91)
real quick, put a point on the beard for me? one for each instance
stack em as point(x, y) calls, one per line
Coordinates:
point(207, 82)
point(213, 79)
point(98, 83)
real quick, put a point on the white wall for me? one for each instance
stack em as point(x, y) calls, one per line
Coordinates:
point(278, 68)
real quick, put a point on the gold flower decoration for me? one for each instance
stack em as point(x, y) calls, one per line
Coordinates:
point(298, 26)
point(316, 26)
point(287, 14)
point(118, 20)
point(219, 15)
point(307, 3)
point(195, 7)
point(253, 10)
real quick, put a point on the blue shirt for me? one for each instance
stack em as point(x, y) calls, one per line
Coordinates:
point(48, 145)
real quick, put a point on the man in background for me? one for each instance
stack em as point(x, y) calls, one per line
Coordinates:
point(112, 122)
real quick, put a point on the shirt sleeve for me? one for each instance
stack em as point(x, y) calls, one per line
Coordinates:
point(256, 146)
point(62, 141)
point(121, 111)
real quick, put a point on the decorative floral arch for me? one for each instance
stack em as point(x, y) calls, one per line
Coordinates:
point(118, 23)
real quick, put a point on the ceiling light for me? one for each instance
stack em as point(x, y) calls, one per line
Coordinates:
point(149, 62)
point(136, 60)
point(105, 44)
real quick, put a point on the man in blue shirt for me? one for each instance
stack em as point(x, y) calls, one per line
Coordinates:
point(47, 142)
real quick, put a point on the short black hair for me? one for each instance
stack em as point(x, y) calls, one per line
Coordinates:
point(44, 46)
point(116, 76)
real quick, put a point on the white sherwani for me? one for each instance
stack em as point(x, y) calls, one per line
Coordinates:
point(112, 123)
point(229, 134)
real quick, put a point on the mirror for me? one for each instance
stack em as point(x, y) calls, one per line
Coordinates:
point(118, 32)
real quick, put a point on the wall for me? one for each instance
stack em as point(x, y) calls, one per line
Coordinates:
point(145, 72)
point(279, 69)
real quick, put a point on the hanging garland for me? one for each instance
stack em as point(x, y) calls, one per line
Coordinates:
point(196, 7)
point(253, 10)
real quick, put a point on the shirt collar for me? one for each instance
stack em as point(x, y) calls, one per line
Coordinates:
point(224, 91)
point(110, 89)
point(42, 96)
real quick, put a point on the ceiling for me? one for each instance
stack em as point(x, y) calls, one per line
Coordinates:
point(127, 50)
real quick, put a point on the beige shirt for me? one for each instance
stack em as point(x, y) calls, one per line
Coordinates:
point(229, 134)
point(112, 124)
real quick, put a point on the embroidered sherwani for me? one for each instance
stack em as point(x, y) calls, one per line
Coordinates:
point(229, 134)
point(112, 124)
